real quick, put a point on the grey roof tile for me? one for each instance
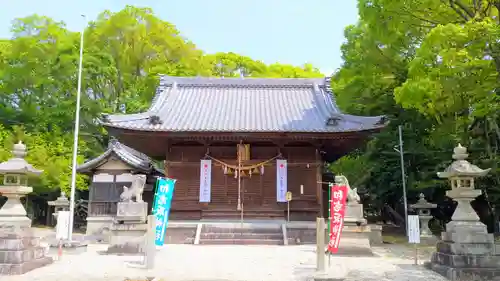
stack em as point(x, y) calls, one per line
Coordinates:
point(129, 155)
point(200, 104)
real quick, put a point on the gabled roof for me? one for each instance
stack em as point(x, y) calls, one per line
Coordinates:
point(200, 104)
point(130, 156)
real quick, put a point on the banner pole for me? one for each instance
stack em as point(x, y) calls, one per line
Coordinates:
point(329, 219)
point(154, 195)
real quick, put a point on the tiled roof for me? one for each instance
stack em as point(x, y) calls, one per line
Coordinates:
point(128, 155)
point(199, 104)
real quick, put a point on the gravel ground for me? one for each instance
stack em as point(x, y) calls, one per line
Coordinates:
point(230, 263)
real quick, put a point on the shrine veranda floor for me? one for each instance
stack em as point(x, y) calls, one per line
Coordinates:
point(231, 263)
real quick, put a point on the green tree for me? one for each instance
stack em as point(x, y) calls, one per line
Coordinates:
point(124, 53)
point(50, 152)
point(430, 66)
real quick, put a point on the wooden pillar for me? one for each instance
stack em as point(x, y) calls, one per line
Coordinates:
point(167, 158)
point(261, 184)
point(319, 185)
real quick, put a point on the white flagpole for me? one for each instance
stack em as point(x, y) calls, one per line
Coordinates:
point(75, 140)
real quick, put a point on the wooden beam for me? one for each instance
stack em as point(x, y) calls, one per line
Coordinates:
point(247, 135)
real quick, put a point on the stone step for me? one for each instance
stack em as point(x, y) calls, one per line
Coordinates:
point(241, 241)
point(467, 249)
point(222, 229)
point(466, 261)
point(21, 256)
point(18, 269)
point(236, 215)
point(231, 213)
point(17, 243)
point(247, 235)
point(459, 274)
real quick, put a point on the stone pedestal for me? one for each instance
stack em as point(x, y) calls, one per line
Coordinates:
point(127, 238)
point(354, 214)
point(132, 211)
point(20, 252)
point(467, 255)
point(466, 250)
point(128, 229)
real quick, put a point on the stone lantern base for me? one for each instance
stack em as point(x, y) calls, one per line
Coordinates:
point(467, 252)
point(20, 251)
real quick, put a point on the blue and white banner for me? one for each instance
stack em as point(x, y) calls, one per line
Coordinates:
point(161, 207)
point(205, 180)
point(281, 180)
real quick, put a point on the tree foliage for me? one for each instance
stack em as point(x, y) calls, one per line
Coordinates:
point(434, 68)
point(124, 53)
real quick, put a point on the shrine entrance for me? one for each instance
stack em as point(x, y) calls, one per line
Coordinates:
point(242, 188)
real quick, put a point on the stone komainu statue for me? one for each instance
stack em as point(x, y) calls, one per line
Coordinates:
point(135, 190)
point(352, 193)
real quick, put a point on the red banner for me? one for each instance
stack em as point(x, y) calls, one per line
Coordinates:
point(338, 198)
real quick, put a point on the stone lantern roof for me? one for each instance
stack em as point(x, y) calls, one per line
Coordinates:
point(423, 204)
point(461, 167)
point(60, 201)
point(17, 164)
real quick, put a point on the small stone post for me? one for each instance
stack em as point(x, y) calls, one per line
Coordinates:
point(424, 214)
point(149, 247)
point(320, 244)
point(150, 250)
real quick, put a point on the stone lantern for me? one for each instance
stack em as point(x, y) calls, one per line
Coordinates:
point(424, 214)
point(15, 172)
point(466, 250)
point(461, 175)
point(60, 204)
point(20, 250)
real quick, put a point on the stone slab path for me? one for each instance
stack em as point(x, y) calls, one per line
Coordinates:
point(226, 263)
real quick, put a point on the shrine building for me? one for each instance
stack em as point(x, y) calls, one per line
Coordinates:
point(237, 145)
point(109, 173)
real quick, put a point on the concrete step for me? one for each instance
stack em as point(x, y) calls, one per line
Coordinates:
point(233, 230)
point(236, 215)
point(241, 241)
point(236, 235)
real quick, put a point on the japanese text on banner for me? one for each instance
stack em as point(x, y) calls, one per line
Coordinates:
point(281, 180)
point(338, 198)
point(205, 180)
point(162, 201)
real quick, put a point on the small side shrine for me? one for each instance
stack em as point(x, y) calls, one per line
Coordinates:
point(20, 251)
point(110, 172)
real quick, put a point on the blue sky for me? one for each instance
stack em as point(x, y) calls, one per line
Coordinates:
point(285, 31)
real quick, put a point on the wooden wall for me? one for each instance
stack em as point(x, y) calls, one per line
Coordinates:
point(258, 191)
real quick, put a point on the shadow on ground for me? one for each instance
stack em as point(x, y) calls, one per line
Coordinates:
point(403, 272)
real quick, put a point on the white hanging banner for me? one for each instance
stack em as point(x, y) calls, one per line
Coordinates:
point(205, 180)
point(281, 180)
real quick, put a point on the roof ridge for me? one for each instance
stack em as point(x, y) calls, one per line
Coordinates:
point(246, 81)
point(331, 100)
